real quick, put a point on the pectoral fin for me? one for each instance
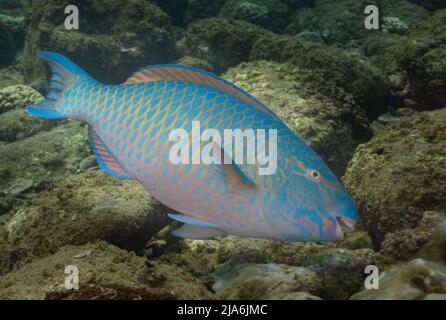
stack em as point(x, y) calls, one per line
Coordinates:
point(231, 173)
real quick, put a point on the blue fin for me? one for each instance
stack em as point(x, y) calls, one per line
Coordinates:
point(64, 71)
point(105, 159)
point(42, 112)
point(193, 232)
point(190, 74)
point(185, 219)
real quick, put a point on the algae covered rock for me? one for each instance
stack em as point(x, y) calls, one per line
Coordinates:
point(264, 281)
point(342, 22)
point(336, 21)
point(341, 270)
point(18, 96)
point(15, 123)
point(18, 124)
point(427, 240)
point(417, 279)
point(400, 174)
point(10, 76)
point(203, 257)
point(43, 158)
point(176, 9)
point(223, 42)
point(7, 47)
point(200, 9)
point(269, 14)
point(105, 272)
point(364, 82)
point(322, 114)
point(430, 4)
point(114, 39)
point(78, 210)
point(196, 63)
point(15, 26)
point(421, 56)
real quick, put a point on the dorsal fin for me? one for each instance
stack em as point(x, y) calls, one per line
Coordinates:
point(105, 159)
point(190, 74)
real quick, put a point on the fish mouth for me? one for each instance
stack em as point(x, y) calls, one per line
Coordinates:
point(343, 225)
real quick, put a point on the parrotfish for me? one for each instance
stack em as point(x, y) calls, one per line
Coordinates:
point(129, 127)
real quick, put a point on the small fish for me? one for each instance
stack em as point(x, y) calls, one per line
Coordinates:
point(129, 128)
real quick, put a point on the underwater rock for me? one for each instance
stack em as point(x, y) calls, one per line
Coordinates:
point(358, 239)
point(224, 43)
point(203, 257)
point(342, 22)
point(105, 272)
point(427, 240)
point(15, 123)
point(196, 63)
point(10, 76)
point(18, 124)
point(46, 157)
point(200, 9)
point(18, 96)
point(430, 4)
point(128, 36)
point(79, 210)
point(323, 115)
point(88, 163)
point(8, 50)
point(417, 279)
point(249, 281)
point(269, 14)
point(176, 9)
point(356, 77)
point(421, 56)
point(400, 174)
point(15, 25)
point(14, 7)
point(339, 21)
point(341, 270)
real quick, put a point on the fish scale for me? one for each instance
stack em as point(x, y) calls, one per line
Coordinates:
point(130, 126)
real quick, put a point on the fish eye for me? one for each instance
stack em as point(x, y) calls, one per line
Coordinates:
point(315, 174)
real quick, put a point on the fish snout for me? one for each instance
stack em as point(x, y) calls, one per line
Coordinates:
point(344, 224)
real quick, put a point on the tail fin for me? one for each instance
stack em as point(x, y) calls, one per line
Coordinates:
point(64, 72)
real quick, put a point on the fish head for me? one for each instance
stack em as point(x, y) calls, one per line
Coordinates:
point(331, 202)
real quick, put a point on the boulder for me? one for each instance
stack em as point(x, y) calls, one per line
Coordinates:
point(415, 280)
point(79, 210)
point(421, 57)
point(113, 40)
point(224, 43)
point(400, 174)
point(40, 160)
point(105, 273)
point(269, 14)
point(249, 281)
point(364, 82)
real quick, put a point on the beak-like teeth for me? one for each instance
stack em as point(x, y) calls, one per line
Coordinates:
point(346, 223)
point(339, 234)
point(350, 224)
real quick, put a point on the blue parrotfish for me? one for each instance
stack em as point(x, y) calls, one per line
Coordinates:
point(129, 126)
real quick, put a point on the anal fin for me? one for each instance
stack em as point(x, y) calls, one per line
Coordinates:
point(194, 232)
point(105, 159)
point(192, 221)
